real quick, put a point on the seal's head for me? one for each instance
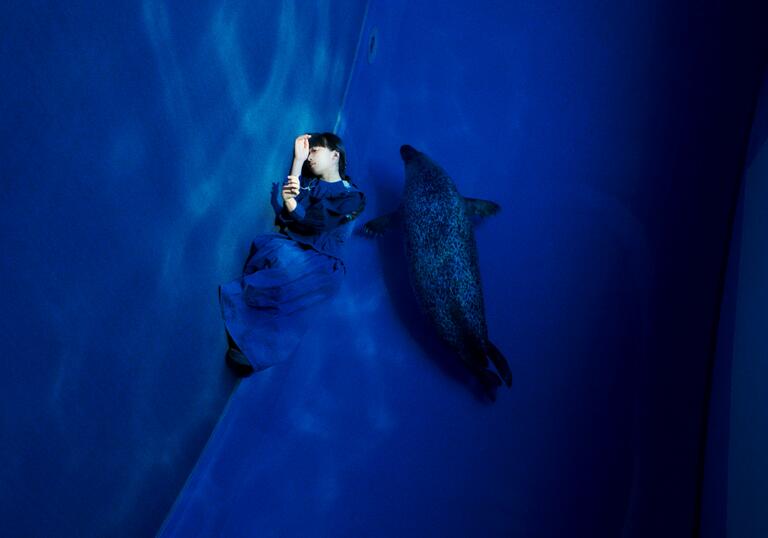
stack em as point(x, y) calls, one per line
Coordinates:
point(420, 169)
point(408, 152)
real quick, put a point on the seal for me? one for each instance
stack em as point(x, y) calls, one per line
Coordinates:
point(443, 268)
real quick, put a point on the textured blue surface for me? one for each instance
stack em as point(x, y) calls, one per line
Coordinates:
point(139, 145)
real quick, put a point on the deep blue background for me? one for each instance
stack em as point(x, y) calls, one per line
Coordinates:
point(736, 477)
point(139, 149)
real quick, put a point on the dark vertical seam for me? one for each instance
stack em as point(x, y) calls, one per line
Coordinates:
point(353, 68)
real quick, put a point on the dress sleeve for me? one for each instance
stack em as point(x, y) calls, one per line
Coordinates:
point(297, 215)
point(314, 216)
point(346, 208)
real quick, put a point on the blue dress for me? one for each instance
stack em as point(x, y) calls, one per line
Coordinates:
point(266, 309)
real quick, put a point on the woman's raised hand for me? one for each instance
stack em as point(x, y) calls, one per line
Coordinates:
point(301, 147)
point(290, 188)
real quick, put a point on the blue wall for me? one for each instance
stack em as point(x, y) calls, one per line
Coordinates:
point(139, 143)
point(614, 138)
point(613, 135)
point(736, 483)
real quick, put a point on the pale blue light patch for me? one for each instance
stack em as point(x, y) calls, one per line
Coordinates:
point(203, 196)
point(226, 39)
point(363, 303)
point(158, 28)
point(71, 356)
point(311, 416)
point(322, 26)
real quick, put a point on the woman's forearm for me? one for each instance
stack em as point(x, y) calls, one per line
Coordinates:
point(296, 167)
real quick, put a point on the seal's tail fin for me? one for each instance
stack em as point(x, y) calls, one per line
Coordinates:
point(500, 363)
point(490, 382)
point(488, 379)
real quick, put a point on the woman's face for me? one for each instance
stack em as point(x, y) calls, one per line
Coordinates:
point(322, 160)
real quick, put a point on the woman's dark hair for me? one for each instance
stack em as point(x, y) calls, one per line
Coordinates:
point(333, 143)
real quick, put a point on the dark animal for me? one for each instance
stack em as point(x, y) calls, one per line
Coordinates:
point(442, 262)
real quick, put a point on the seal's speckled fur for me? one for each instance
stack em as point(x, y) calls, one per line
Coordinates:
point(443, 262)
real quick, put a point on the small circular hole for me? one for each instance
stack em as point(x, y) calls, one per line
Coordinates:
point(373, 43)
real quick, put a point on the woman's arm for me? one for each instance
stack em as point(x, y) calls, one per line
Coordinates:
point(291, 186)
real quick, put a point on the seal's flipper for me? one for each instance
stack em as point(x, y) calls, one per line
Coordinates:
point(475, 358)
point(500, 363)
point(379, 225)
point(481, 208)
point(488, 379)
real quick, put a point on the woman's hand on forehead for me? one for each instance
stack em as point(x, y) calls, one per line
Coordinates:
point(301, 146)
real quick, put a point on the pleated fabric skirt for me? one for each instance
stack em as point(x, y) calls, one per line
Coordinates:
point(267, 310)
